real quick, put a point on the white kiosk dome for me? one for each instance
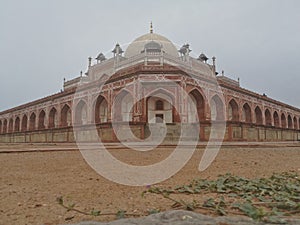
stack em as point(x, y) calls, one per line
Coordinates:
point(138, 45)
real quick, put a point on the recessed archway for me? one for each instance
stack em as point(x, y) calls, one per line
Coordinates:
point(160, 107)
point(66, 116)
point(268, 117)
point(276, 119)
point(101, 110)
point(258, 116)
point(41, 123)
point(217, 108)
point(17, 124)
point(192, 110)
point(290, 122)
point(246, 113)
point(81, 113)
point(233, 110)
point(53, 118)
point(24, 123)
point(10, 125)
point(198, 102)
point(5, 126)
point(32, 120)
point(1, 127)
point(295, 123)
point(123, 107)
point(283, 121)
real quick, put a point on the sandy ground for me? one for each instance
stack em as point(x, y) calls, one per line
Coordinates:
point(30, 181)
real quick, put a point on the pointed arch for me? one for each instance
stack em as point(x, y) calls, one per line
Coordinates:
point(17, 124)
point(290, 122)
point(10, 125)
point(258, 116)
point(101, 109)
point(295, 123)
point(246, 113)
point(53, 118)
point(233, 110)
point(24, 123)
point(268, 117)
point(66, 116)
point(199, 100)
point(217, 108)
point(81, 113)
point(32, 120)
point(276, 119)
point(161, 91)
point(41, 122)
point(5, 126)
point(283, 121)
point(123, 106)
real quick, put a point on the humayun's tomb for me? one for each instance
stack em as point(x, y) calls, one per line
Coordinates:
point(151, 83)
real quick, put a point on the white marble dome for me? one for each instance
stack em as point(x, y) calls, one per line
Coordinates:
point(138, 45)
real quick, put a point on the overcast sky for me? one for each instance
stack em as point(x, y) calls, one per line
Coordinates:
point(41, 42)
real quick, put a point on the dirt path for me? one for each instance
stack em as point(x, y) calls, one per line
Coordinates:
point(30, 181)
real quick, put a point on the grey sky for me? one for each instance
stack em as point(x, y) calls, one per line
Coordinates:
point(41, 42)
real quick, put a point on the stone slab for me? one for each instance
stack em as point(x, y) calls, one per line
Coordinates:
point(181, 217)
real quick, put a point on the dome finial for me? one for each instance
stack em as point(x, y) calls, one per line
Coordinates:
point(151, 28)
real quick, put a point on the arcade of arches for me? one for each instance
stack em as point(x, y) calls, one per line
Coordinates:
point(241, 117)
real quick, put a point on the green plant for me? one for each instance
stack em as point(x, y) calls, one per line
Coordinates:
point(264, 199)
point(71, 207)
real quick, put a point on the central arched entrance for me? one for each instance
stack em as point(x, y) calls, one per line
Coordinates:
point(160, 108)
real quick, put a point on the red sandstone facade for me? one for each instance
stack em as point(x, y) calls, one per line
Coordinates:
point(150, 85)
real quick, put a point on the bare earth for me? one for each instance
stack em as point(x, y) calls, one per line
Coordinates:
point(33, 176)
